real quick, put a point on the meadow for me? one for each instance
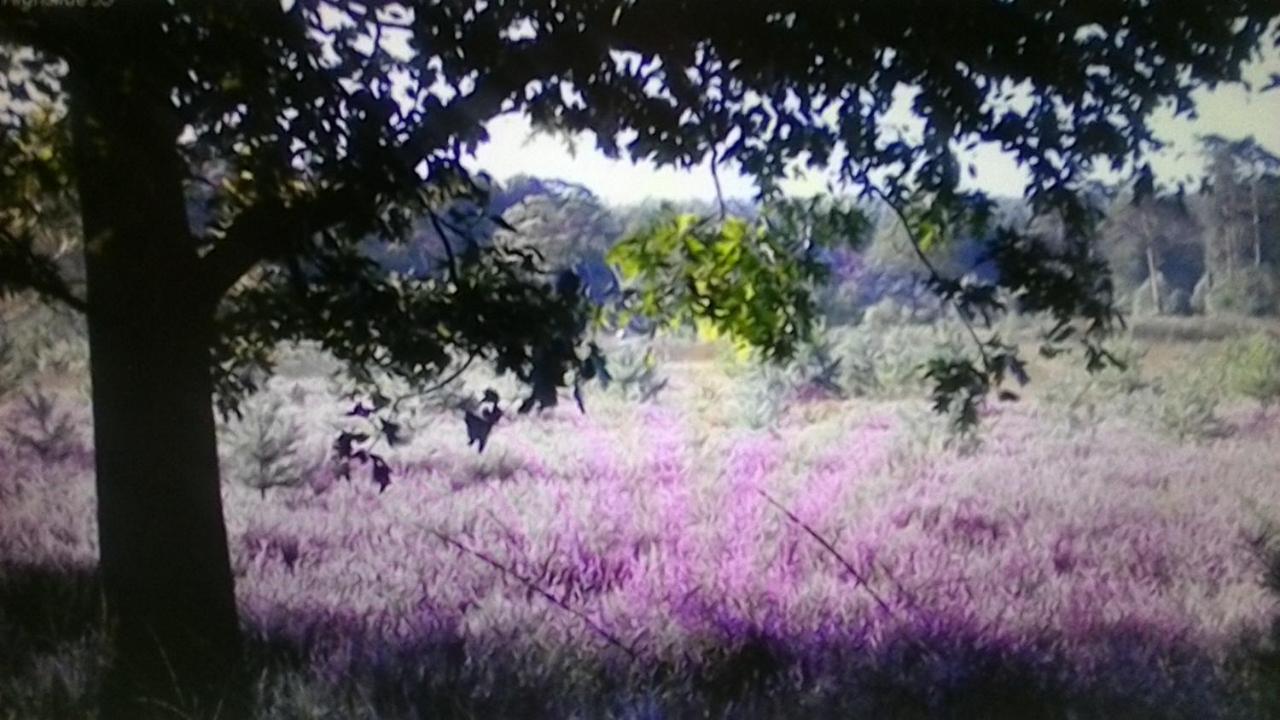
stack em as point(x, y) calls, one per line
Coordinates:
point(711, 539)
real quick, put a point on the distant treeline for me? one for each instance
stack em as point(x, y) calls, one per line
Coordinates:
point(1213, 251)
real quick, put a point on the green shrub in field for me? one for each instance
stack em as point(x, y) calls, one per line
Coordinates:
point(634, 373)
point(1250, 292)
point(1126, 377)
point(1252, 367)
point(1183, 406)
point(766, 390)
point(1083, 399)
point(265, 447)
point(888, 362)
point(1188, 410)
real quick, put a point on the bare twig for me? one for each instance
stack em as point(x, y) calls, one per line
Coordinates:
point(830, 549)
point(448, 247)
point(534, 587)
point(715, 178)
point(934, 273)
point(440, 385)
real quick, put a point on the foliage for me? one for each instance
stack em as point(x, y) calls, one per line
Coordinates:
point(11, 371)
point(314, 126)
point(1163, 230)
point(376, 425)
point(1241, 202)
point(878, 361)
point(633, 372)
point(751, 282)
point(38, 340)
point(1188, 410)
point(565, 228)
point(1252, 367)
point(264, 447)
point(39, 244)
point(375, 166)
point(1125, 377)
point(40, 428)
point(1249, 292)
point(1262, 659)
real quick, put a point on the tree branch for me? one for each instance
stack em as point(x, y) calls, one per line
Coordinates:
point(21, 268)
point(448, 246)
point(934, 274)
point(272, 229)
point(537, 589)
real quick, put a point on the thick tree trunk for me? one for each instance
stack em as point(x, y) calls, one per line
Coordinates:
point(163, 546)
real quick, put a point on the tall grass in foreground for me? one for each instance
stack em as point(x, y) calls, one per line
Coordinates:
point(660, 559)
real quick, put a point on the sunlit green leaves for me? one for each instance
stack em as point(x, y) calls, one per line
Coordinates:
point(749, 281)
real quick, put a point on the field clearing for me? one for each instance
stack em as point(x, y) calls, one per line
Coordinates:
point(632, 562)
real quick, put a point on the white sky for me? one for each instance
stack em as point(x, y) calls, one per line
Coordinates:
point(1229, 111)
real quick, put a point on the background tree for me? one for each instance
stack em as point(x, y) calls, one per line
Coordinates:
point(1153, 245)
point(333, 122)
point(565, 224)
point(1242, 200)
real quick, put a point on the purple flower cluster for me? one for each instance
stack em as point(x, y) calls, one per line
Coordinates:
point(637, 537)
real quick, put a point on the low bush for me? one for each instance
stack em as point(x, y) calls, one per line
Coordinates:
point(1251, 292)
point(41, 428)
point(1252, 368)
point(264, 447)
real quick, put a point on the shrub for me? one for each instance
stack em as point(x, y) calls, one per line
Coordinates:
point(885, 314)
point(1251, 292)
point(635, 373)
point(38, 340)
point(1126, 378)
point(265, 447)
point(11, 371)
point(40, 428)
point(1252, 367)
point(1083, 399)
point(924, 435)
point(1187, 410)
point(888, 362)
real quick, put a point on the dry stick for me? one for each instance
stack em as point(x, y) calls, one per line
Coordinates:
point(829, 548)
point(439, 385)
point(593, 625)
point(715, 178)
point(448, 246)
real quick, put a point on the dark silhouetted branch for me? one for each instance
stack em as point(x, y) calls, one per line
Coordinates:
point(534, 587)
point(830, 549)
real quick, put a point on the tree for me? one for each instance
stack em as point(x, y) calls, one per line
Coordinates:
point(1242, 181)
point(1152, 244)
point(565, 227)
point(330, 122)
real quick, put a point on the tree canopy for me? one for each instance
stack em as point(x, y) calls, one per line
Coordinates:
point(339, 120)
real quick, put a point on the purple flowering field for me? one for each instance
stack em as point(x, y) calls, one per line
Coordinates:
point(646, 558)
